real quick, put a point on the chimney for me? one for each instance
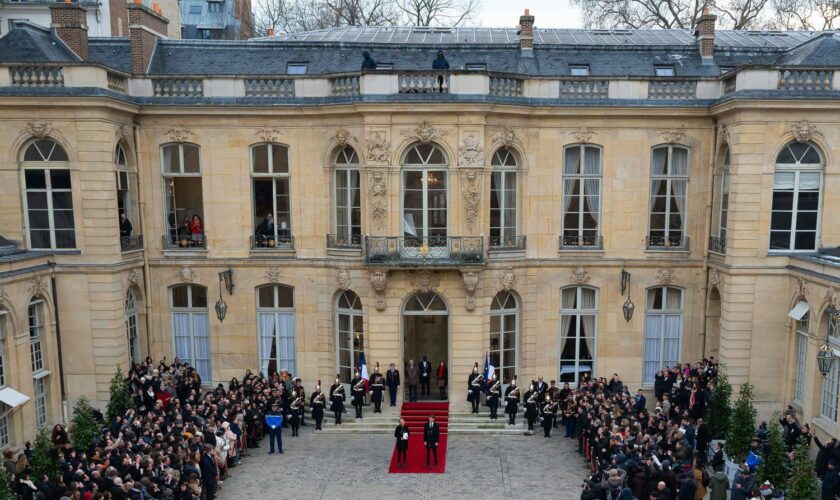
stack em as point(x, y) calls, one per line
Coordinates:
point(706, 36)
point(526, 33)
point(69, 22)
point(145, 27)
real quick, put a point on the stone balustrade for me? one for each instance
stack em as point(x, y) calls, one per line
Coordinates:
point(36, 75)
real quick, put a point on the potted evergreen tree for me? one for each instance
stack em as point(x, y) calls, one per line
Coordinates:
point(84, 430)
point(741, 430)
point(803, 479)
point(774, 460)
point(119, 399)
point(44, 457)
point(720, 410)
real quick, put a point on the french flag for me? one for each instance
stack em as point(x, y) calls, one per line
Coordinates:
point(488, 371)
point(363, 371)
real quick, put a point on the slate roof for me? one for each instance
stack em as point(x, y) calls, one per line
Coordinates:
point(111, 52)
point(821, 51)
point(31, 43)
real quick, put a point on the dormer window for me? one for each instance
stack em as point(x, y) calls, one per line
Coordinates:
point(296, 68)
point(579, 69)
point(664, 70)
point(214, 7)
point(476, 67)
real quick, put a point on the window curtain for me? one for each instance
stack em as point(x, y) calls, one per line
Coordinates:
point(679, 161)
point(679, 193)
point(202, 345)
point(572, 164)
point(673, 299)
point(183, 343)
point(568, 188)
point(286, 342)
point(809, 181)
point(660, 162)
point(592, 167)
point(266, 325)
point(567, 303)
point(653, 336)
point(671, 340)
point(784, 181)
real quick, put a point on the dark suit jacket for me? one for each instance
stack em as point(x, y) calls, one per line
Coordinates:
point(431, 434)
point(392, 378)
point(209, 471)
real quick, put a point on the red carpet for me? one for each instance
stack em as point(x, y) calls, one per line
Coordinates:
point(416, 415)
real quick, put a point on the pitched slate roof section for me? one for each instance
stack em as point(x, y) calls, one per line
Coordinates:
point(111, 52)
point(30, 43)
point(820, 51)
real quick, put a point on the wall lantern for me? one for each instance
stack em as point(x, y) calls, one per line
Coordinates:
point(628, 306)
point(628, 309)
point(221, 306)
point(825, 356)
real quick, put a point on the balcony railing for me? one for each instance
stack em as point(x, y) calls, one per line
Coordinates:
point(178, 87)
point(36, 75)
point(184, 242)
point(575, 242)
point(584, 89)
point(667, 243)
point(443, 250)
point(269, 87)
point(344, 241)
point(805, 80)
point(345, 85)
point(505, 86)
point(672, 89)
point(717, 245)
point(130, 243)
point(117, 83)
point(270, 243)
point(513, 243)
point(432, 82)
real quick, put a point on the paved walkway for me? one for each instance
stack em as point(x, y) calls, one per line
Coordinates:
point(338, 466)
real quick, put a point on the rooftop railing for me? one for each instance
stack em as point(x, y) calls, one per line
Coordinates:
point(269, 87)
point(423, 82)
point(441, 250)
point(506, 86)
point(178, 87)
point(805, 80)
point(584, 89)
point(36, 75)
point(672, 89)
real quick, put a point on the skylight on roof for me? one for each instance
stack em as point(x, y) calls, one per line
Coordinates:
point(298, 68)
point(664, 70)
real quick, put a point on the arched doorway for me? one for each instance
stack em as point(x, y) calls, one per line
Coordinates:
point(426, 333)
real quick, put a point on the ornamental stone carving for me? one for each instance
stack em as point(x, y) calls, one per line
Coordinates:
point(724, 134)
point(471, 192)
point(714, 277)
point(378, 196)
point(804, 131)
point(269, 134)
point(377, 147)
point(272, 274)
point(2, 294)
point(582, 135)
point(135, 278)
point(665, 276)
point(342, 137)
point(471, 150)
point(186, 274)
point(470, 285)
point(508, 279)
point(832, 297)
point(123, 134)
point(39, 128)
point(179, 135)
point(506, 137)
point(343, 278)
point(801, 288)
point(38, 287)
point(672, 135)
point(425, 282)
point(379, 282)
point(424, 133)
point(580, 276)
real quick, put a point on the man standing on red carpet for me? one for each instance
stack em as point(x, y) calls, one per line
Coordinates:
point(431, 436)
point(401, 433)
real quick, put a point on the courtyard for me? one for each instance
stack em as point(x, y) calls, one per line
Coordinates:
point(328, 466)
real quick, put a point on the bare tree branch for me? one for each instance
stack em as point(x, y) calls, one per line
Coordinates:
point(438, 12)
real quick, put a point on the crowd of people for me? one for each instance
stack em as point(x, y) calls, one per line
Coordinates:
point(175, 441)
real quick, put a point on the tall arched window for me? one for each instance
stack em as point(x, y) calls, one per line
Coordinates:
point(48, 201)
point(663, 330)
point(424, 214)
point(191, 328)
point(276, 323)
point(794, 221)
point(38, 358)
point(504, 335)
point(581, 196)
point(350, 334)
point(184, 199)
point(127, 200)
point(504, 200)
point(721, 215)
point(132, 335)
point(578, 332)
point(801, 357)
point(831, 382)
point(271, 180)
point(347, 198)
point(668, 197)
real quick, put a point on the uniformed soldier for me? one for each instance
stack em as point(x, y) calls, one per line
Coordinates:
point(474, 388)
point(512, 397)
point(357, 393)
point(494, 393)
point(316, 402)
point(377, 389)
point(337, 398)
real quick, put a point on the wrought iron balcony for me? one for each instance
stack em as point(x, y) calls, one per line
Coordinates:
point(184, 242)
point(512, 243)
point(717, 245)
point(443, 250)
point(271, 243)
point(344, 241)
point(576, 242)
point(130, 243)
point(667, 243)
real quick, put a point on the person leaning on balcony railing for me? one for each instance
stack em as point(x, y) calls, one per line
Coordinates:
point(265, 229)
point(196, 230)
point(440, 63)
point(369, 63)
point(125, 226)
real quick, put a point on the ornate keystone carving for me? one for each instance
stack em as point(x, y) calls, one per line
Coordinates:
point(425, 282)
point(508, 279)
point(424, 133)
point(378, 196)
point(186, 274)
point(377, 147)
point(832, 297)
point(39, 128)
point(135, 278)
point(471, 192)
point(269, 134)
point(801, 288)
point(343, 278)
point(582, 135)
point(472, 152)
point(665, 276)
point(580, 276)
point(724, 134)
point(38, 287)
point(507, 138)
point(342, 137)
point(379, 282)
point(179, 135)
point(714, 277)
point(470, 285)
point(123, 134)
point(672, 135)
point(804, 131)
point(272, 274)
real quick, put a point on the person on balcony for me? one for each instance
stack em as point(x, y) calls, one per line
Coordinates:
point(265, 229)
point(441, 64)
point(125, 226)
point(369, 63)
point(196, 230)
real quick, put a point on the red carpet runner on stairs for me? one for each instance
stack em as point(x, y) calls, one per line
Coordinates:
point(416, 415)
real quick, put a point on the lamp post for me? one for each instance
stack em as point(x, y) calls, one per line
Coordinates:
point(628, 306)
point(221, 306)
point(825, 356)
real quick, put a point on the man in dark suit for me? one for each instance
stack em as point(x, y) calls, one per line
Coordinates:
point(209, 472)
point(392, 380)
point(425, 377)
point(431, 436)
point(641, 402)
point(541, 388)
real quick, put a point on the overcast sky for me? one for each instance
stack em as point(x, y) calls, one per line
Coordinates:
point(548, 13)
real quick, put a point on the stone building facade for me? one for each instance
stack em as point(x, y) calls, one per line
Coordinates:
point(562, 202)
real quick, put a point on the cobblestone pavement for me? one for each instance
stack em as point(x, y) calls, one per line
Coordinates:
point(339, 466)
